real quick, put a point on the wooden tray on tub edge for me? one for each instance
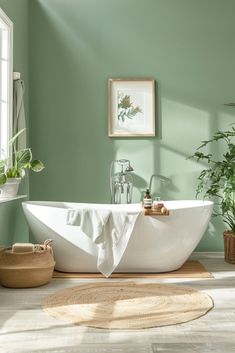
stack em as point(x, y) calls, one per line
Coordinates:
point(154, 212)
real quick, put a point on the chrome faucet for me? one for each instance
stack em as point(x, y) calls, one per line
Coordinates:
point(160, 177)
point(121, 183)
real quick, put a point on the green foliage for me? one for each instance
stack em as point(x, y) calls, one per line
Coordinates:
point(126, 108)
point(21, 160)
point(218, 180)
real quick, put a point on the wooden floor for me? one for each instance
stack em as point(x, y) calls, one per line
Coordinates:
point(25, 328)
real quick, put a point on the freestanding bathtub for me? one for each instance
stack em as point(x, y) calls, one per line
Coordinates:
point(157, 243)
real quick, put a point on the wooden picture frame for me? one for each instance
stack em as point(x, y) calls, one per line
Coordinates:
point(131, 107)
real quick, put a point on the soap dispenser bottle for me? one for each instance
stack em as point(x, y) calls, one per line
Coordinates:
point(147, 200)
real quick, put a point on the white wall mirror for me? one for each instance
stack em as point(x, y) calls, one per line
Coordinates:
point(6, 82)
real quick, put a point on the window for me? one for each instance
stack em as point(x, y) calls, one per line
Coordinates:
point(6, 35)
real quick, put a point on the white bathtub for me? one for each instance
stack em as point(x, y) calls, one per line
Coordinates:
point(157, 243)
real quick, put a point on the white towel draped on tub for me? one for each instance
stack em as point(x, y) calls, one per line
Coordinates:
point(109, 229)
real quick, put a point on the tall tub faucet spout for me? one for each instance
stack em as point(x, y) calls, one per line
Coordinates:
point(160, 177)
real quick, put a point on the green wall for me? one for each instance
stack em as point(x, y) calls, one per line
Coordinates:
point(75, 46)
point(13, 226)
point(12, 223)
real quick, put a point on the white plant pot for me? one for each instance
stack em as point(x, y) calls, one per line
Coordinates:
point(10, 188)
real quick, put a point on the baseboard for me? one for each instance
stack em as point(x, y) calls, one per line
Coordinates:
point(206, 255)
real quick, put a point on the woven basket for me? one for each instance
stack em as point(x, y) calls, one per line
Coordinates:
point(229, 247)
point(26, 269)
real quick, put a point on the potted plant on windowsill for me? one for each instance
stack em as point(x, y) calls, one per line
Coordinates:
point(218, 182)
point(12, 170)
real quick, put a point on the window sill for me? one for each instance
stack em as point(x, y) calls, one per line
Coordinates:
point(8, 199)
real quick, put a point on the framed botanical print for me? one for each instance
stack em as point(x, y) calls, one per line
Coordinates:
point(131, 107)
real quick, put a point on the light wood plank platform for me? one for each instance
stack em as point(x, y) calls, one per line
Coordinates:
point(191, 269)
point(25, 328)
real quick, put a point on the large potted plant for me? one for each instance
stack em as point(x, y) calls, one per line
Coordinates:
point(218, 182)
point(13, 169)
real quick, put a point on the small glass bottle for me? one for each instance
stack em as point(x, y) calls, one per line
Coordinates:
point(147, 200)
point(158, 204)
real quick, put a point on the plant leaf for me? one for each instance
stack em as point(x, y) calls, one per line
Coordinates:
point(2, 167)
point(21, 173)
point(217, 182)
point(23, 158)
point(15, 137)
point(37, 165)
point(9, 173)
point(3, 179)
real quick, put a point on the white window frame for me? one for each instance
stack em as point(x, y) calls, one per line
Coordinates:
point(9, 26)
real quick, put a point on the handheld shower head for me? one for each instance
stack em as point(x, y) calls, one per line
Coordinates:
point(129, 168)
point(124, 162)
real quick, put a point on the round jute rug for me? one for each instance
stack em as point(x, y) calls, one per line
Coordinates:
point(127, 305)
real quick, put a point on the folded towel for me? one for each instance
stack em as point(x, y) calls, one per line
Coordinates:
point(109, 230)
point(22, 247)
